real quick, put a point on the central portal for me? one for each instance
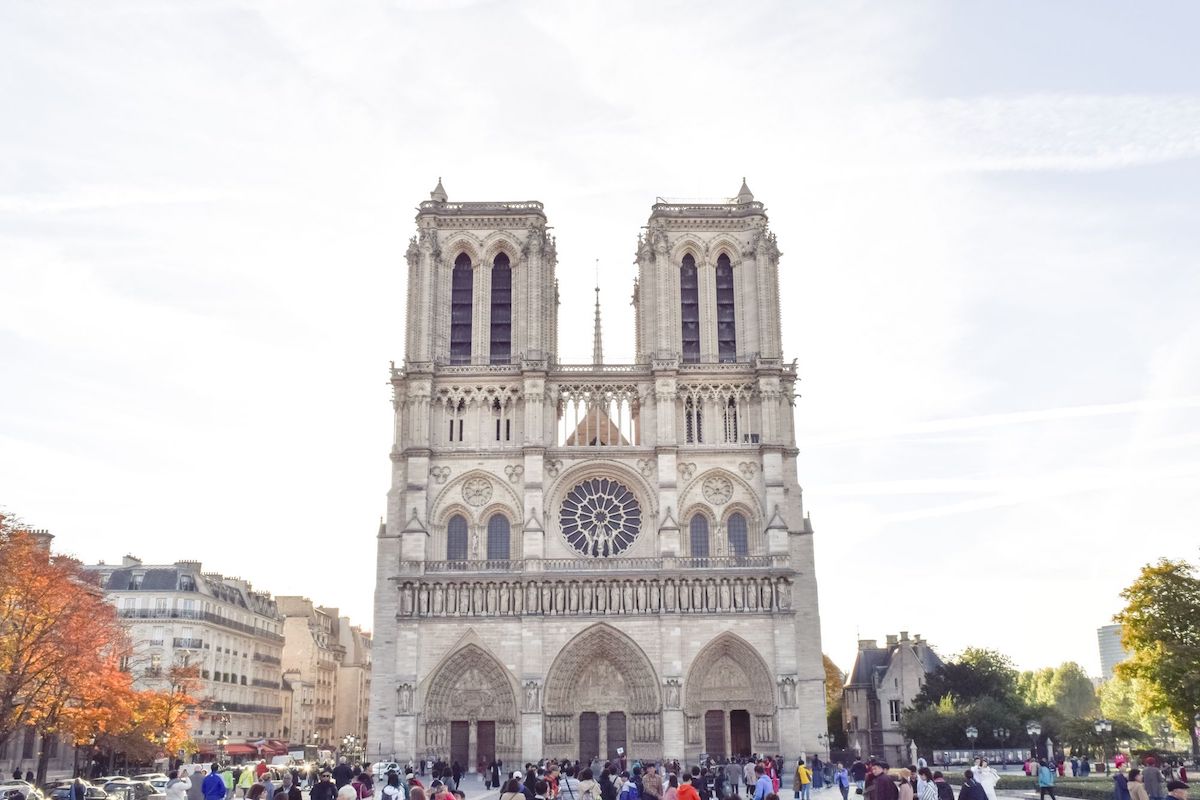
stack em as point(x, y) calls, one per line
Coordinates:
point(602, 696)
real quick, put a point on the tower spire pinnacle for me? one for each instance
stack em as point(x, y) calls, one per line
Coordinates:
point(597, 347)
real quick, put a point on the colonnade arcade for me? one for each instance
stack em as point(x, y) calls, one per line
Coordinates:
point(601, 694)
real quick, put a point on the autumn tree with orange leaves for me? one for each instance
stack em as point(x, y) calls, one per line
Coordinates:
point(61, 647)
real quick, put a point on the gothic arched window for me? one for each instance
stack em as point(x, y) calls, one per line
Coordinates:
point(739, 538)
point(726, 328)
point(460, 310)
point(698, 534)
point(501, 342)
point(498, 538)
point(689, 309)
point(456, 538)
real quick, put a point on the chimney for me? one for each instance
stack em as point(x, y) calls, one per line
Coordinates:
point(867, 644)
point(892, 640)
point(130, 561)
point(43, 538)
point(904, 636)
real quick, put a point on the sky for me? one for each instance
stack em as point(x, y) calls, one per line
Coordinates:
point(987, 213)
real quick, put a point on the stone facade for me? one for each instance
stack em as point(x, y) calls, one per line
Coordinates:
point(180, 614)
point(353, 681)
point(885, 681)
point(581, 558)
point(311, 654)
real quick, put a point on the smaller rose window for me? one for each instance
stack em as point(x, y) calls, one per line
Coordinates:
point(600, 517)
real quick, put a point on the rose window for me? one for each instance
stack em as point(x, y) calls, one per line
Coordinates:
point(600, 517)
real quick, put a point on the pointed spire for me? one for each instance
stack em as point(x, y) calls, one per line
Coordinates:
point(744, 194)
point(597, 347)
point(438, 195)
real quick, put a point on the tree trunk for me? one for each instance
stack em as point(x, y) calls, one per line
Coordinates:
point(43, 759)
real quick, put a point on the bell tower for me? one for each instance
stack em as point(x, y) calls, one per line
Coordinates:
point(480, 284)
point(708, 282)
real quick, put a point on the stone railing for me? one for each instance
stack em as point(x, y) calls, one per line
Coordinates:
point(524, 207)
point(728, 594)
point(555, 566)
point(727, 209)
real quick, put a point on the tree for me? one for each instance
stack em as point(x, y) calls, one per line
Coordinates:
point(55, 630)
point(1072, 692)
point(1160, 626)
point(835, 682)
point(974, 674)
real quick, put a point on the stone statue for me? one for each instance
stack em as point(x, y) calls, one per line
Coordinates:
point(672, 693)
point(532, 692)
point(404, 698)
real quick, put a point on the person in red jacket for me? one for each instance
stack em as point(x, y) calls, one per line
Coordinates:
point(686, 790)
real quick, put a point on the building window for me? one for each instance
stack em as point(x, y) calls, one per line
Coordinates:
point(498, 538)
point(693, 420)
point(894, 710)
point(739, 540)
point(27, 746)
point(726, 329)
point(501, 349)
point(456, 538)
point(699, 536)
point(731, 421)
point(689, 309)
point(460, 310)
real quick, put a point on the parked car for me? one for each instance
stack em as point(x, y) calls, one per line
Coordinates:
point(133, 790)
point(150, 777)
point(382, 768)
point(22, 789)
point(62, 791)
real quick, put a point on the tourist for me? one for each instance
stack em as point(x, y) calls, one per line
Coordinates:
point(858, 774)
point(394, 788)
point(176, 789)
point(568, 785)
point(1152, 778)
point(884, 788)
point(629, 789)
point(841, 779)
point(803, 784)
point(342, 773)
point(1135, 786)
point(1045, 779)
point(987, 777)
point(1177, 790)
point(541, 790)
point(672, 790)
point(905, 789)
point(971, 788)
point(762, 784)
point(1121, 783)
point(416, 793)
point(944, 790)
point(346, 792)
point(687, 791)
point(588, 788)
point(512, 790)
point(926, 788)
point(323, 789)
point(289, 788)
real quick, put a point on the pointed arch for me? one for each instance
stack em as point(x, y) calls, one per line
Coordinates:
point(462, 283)
point(726, 314)
point(500, 339)
point(602, 650)
point(689, 308)
point(728, 674)
point(471, 684)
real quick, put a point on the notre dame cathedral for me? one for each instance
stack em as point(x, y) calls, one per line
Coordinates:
point(581, 560)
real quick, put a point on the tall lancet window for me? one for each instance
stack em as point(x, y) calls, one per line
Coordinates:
point(460, 310)
point(726, 328)
point(739, 539)
point(501, 349)
point(456, 538)
point(689, 309)
point(698, 531)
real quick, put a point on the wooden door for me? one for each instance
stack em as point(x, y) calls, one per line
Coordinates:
point(714, 733)
point(589, 736)
point(460, 742)
point(616, 734)
point(739, 732)
point(485, 743)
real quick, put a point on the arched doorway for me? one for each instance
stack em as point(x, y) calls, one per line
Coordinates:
point(730, 700)
point(470, 710)
point(602, 696)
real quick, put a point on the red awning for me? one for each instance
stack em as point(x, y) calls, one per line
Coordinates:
point(241, 750)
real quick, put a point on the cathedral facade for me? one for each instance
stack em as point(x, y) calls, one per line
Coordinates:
point(593, 560)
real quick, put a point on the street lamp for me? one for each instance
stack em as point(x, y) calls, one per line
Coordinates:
point(1002, 735)
point(823, 738)
point(221, 742)
point(1102, 727)
point(972, 734)
point(1034, 729)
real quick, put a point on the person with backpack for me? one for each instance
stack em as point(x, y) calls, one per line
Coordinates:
point(1045, 781)
point(841, 779)
point(568, 785)
point(804, 778)
point(972, 789)
point(629, 789)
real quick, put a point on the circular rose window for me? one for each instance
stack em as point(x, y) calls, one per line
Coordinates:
point(600, 517)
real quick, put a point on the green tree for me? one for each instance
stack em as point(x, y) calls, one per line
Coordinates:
point(835, 684)
point(1072, 692)
point(974, 674)
point(1160, 626)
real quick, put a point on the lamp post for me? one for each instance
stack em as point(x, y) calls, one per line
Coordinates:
point(1034, 729)
point(1102, 727)
point(1002, 735)
point(972, 735)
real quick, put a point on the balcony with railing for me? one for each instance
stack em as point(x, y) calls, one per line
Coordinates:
point(200, 616)
point(188, 644)
point(266, 659)
point(265, 684)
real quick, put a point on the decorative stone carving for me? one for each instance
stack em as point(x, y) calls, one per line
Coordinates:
point(717, 489)
point(671, 693)
point(602, 665)
point(469, 684)
point(439, 474)
point(748, 468)
point(553, 467)
point(687, 470)
point(787, 691)
point(514, 472)
point(404, 698)
point(533, 696)
point(728, 673)
point(646, 467)
point(477, 491)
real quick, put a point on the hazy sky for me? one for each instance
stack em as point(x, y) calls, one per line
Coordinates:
point(988, 214)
